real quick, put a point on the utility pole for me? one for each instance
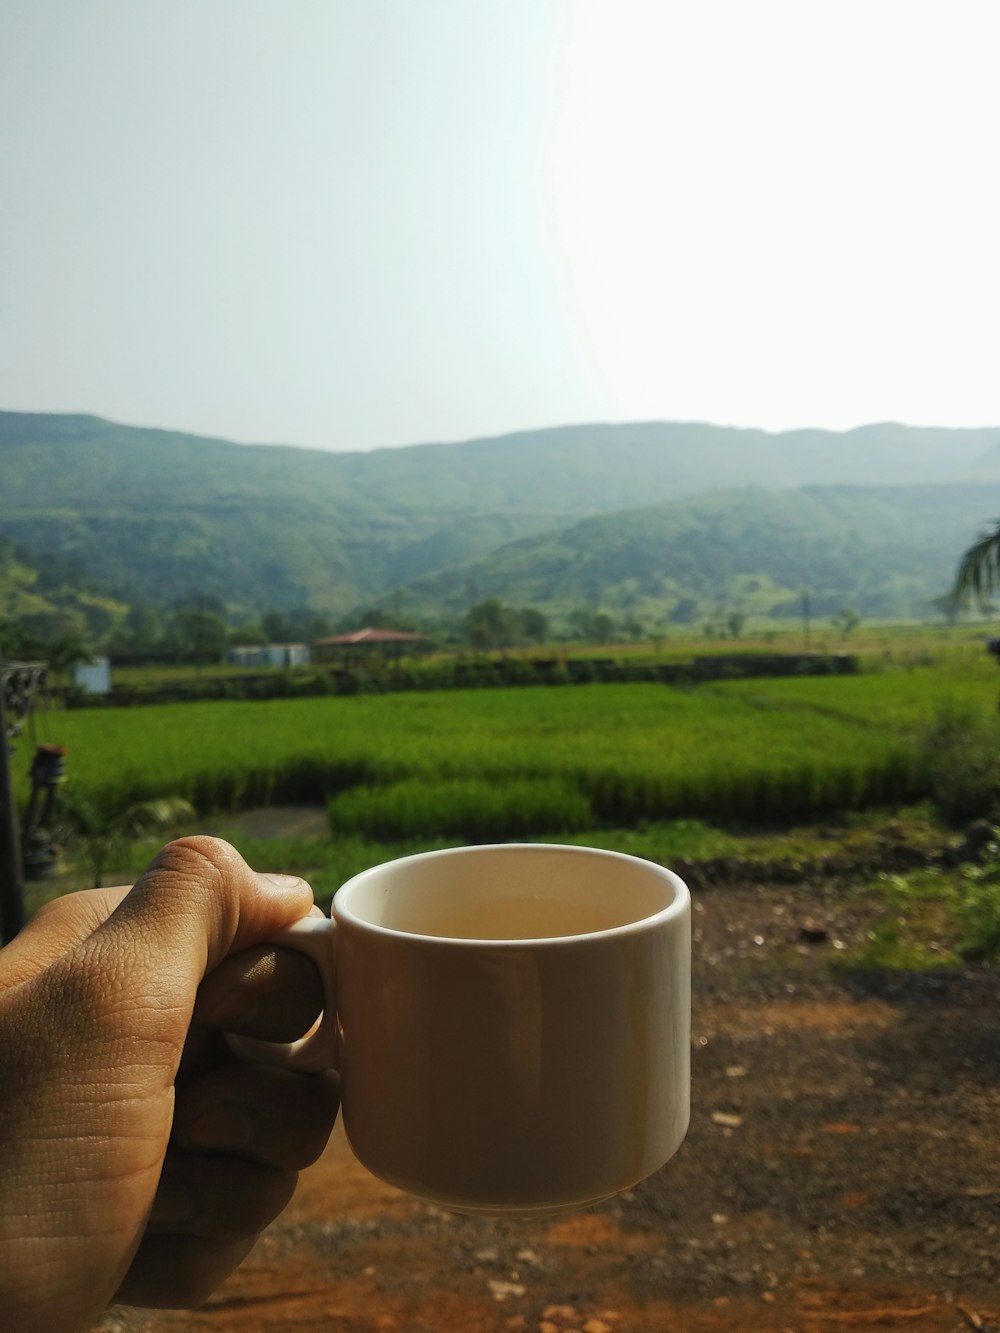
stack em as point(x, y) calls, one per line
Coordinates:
point(805, 618)
point(18, 682)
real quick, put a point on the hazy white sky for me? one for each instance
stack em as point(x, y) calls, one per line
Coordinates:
point(350, 223)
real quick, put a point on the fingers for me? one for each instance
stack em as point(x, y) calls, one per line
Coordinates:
point(218, 1197)
point(271, 1116)
point(241, 1133)
point(264, 992)
point(178, 1272)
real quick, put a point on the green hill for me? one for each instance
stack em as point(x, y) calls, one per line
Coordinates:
point(632, 516)
point(884, 551)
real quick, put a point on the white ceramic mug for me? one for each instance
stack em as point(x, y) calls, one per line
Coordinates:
point(512, 1022)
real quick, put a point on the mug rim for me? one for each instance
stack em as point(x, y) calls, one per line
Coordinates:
point(678, 907)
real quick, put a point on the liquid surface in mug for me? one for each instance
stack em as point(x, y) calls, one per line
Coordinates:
point(505, 918)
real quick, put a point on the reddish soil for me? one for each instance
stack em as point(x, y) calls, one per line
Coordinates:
point(841, 1172)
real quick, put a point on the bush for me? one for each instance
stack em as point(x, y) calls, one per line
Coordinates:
point(961, 756)
point(979, 908)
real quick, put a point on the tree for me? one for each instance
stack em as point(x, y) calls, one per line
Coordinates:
point(947, 605)
point(581, 622)
point(66, 652)
point(276, 627)
point(592, 626)
point(604, 627)
point(199, 636)
point(685, 611)
point(978, 571)
point(534, 624)
point(490, 624)
point(846, 621)
point(16, 642)
point(144, 628)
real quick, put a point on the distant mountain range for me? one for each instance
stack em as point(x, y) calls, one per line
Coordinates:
point(638, 520)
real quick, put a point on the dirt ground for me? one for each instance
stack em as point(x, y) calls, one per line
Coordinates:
point(841, 1172)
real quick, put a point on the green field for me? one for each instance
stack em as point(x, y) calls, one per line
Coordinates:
point(494, 763)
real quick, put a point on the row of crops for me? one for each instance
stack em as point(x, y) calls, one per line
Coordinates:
point(506, 763)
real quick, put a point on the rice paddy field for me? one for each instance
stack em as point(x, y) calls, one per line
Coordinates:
point(480, 765)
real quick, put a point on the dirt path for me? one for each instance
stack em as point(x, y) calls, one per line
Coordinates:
point(841, 1172)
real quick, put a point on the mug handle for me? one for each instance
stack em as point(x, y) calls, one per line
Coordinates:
point(319, 1049)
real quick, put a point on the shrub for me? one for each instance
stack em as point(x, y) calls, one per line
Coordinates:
point(961, 756)
point(979, 908)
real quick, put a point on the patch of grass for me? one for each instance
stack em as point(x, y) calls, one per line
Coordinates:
point(979, 908)
point(671, 840)
point(856, 836)
point(936, 918)
point(896, 944)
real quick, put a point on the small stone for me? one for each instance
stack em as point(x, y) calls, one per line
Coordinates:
point(812, 931)
point(736, 1071)
point(502, 1291)
point(559, 1312)
point(726, 1119)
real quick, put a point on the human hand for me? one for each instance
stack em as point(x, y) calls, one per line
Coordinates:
point(140, 1160)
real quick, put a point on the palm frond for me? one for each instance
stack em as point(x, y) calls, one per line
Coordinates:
point(978, 571)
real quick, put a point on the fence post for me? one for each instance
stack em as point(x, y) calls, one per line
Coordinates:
point(11, 880)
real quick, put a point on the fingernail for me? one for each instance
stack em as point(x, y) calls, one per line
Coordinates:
point(283, 883)
point(225, 1127)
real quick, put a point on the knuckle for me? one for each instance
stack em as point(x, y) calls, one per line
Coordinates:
point(57, 907)
point(198, 856)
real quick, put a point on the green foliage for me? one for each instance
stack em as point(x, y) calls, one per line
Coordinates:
point(978, 571)
point(936, 917)
point(979, 907)
point(470, 809)
point(591, 626)
point(961, 755)
point(762, 750)
point(596, 517)
point(100, 834)
point(198, 636)
point(892, 946)
point(492, 624)
point(846, 622)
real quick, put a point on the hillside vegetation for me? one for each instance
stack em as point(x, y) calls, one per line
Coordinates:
point(652, 523)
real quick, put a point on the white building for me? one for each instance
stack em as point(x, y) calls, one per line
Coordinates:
point(269, 655)
point(93, 677)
